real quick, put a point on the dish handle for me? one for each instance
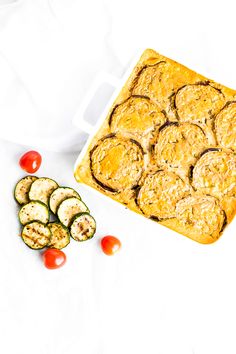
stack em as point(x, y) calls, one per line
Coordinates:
point(95, 101)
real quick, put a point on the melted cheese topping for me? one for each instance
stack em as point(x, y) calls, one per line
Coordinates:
point(159, 194)
point(180, 145)
point(200, 217)
point(159, 82)
point(117, 163)
point(137, 116)
point(215, 174)
point(197, 103)
point(225, 126)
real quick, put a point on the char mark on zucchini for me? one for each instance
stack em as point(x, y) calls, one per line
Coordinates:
point(83, 227)
point(60, 236)
point(36, 235)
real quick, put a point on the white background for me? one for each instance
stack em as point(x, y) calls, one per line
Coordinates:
point(162, 293)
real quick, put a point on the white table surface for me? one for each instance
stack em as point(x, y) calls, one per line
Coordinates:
point(163, 293)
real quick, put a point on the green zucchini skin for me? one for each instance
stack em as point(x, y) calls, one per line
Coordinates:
point(30, 231)
point(55, 228)
point(21, 190)
point(69, 208)
point(59, 195)
point(41, 189)
point(28, 213)
point(83, 227)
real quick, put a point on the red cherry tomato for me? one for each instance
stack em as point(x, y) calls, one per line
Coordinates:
point(110, 245)
point(30, 161)
point(53, 258)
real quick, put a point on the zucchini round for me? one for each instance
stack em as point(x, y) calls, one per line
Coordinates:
point(34, 211)
point(83, 227)
point(41, 189)
point(60, 194)
point(69, 208)
point(60, 235)
point(36, 235)
point(22, 189)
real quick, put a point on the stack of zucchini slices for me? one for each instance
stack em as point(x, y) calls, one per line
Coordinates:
point(39, 196)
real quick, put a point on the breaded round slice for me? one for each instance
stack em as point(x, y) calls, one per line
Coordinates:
point(116, 164)
point(225, 127)
point(215, 173)
point(197, 103)
point(41, 189)
point(179, 145)
point(60, 194)
point(201, 217)
point(22, 189)
point(159, 194)
point(137, 116)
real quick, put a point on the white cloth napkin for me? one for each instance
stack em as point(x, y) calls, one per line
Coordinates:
point(49, 55)
point(51, 50)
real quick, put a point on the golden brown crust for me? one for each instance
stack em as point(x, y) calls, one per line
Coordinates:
point(159, 194)
point(225, 126)
point(192, 111)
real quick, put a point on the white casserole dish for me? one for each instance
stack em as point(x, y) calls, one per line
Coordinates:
point(85, 119)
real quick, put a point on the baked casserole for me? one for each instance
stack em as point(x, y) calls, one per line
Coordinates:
point(167, 149)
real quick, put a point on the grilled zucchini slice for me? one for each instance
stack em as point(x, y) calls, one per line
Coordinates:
point(69, 208)
point(22, 189)
point(36, 235)
point(59, 195)
point(60, 235)
point(34, 211)
point(83, 227)
point(41, 189)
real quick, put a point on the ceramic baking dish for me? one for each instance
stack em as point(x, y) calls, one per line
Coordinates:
point(166, 129)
